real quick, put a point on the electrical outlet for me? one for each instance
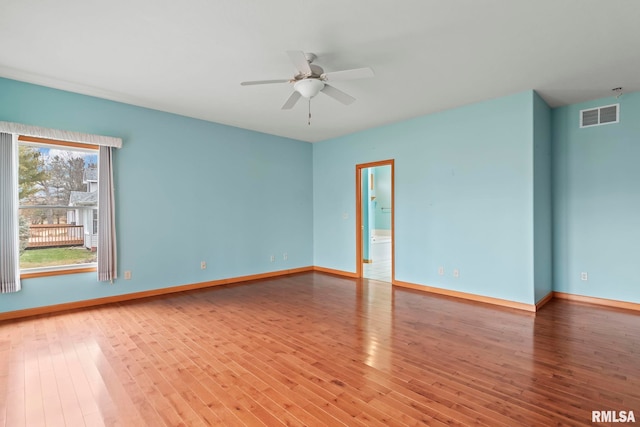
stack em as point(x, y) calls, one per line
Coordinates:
point(440, 271)
point(273, 258)
point(203, 265)
point(456, 273)
point(285, 256)
point(584, 276)
point(127, 275)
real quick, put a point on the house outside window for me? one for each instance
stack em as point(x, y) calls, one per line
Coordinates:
point(95, 222)
point(58, 189)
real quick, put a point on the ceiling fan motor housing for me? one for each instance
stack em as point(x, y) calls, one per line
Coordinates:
point(316, 70)
point(310, 85)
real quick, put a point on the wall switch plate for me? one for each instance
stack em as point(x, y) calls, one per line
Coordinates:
point(285, 256)
point(203, 265)
point(127, 275)
point(584, 276)
point(440, 271)
point(273, 258)
point(456, 273)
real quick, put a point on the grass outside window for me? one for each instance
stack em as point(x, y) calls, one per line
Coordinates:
point(50, 257)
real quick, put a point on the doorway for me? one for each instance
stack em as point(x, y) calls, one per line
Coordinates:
point(375, 220)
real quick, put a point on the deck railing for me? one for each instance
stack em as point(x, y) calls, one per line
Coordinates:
point(49, 235)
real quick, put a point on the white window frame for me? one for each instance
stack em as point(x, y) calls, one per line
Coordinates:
point(67, 268)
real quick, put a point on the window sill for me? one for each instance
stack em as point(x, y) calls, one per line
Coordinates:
point(57, 271)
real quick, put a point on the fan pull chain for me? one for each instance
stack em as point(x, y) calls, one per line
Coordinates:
point(309, 123)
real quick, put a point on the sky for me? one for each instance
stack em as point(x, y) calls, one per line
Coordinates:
point(89, 158)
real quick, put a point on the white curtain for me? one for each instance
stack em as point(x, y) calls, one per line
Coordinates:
point(9, 239)
point(107, 254)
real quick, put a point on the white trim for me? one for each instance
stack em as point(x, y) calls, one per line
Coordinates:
point(62, 135)
point(599, 109)
point(54, 268)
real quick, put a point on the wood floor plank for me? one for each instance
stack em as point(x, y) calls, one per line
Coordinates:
point(313, 349)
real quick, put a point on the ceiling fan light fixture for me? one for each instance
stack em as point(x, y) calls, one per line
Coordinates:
point(308, 87)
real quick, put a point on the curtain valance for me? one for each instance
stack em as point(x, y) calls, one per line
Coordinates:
point(62, 135)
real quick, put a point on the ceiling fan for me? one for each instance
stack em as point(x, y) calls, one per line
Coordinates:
point(310, 79)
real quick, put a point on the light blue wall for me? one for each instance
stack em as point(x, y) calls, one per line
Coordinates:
point(364, 185)
point(186, 191)
point(472, 189)
point(597, 202)
point(542, 207)
point(383, 197)
point(463, 197)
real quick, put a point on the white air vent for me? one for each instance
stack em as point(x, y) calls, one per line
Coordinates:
point(600, 116)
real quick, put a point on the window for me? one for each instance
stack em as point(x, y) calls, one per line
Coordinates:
point(10, 251)
point(58, 204)
point(95, 221)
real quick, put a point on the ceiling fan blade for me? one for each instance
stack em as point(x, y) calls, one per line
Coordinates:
point(263, 82)
point(356, 73)
point(299, 61)
point(338, 94)
point(291, 101)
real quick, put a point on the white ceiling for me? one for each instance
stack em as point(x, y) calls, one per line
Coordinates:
point(189, 57)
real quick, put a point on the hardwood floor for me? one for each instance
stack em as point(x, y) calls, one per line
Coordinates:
point(318, 350)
